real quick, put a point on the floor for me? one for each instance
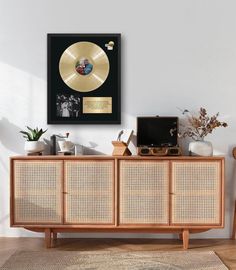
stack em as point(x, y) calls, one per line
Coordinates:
point(225, 248)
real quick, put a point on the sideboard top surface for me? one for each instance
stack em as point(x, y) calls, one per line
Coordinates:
point(108, 157)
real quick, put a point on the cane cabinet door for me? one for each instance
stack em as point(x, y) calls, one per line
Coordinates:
point(144, 192)
point(196, 192)
point(37, 192)
point(89, 192)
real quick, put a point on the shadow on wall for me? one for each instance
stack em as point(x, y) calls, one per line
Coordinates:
point(3, 219)
point(82, 150)
point(11, 139)
point(90, 150)
point(10, 136)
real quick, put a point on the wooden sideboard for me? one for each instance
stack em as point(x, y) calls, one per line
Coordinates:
point(54, 194)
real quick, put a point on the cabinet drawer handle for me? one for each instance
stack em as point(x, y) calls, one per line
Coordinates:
point(64, 192)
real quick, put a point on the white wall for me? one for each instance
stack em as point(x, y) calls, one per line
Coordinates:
point(188, 53)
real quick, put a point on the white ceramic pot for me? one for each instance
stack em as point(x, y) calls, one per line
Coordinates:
point(200, 148)
point(34, 146)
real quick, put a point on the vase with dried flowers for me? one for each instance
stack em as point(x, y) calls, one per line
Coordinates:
point(198, 127)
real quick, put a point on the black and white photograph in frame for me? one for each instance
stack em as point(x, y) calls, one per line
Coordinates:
point(68, 105)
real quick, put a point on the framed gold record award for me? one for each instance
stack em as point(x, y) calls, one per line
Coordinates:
point(84, 78)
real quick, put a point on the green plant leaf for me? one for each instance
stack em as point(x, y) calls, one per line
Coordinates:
point(29, 137)
point(33, 134)
point(29, 128)
point(24, 132)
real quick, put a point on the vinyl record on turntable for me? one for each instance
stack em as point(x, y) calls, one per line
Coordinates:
point(84, 66)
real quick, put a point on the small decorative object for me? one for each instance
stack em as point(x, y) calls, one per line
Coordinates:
point(66, 147)
point(121, 147)
point(33, 145)
point(199, 126)
point(84, 78)
point(78, 150)
point(53, 138)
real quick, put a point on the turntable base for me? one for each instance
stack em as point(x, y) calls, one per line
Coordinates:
point(159, 151)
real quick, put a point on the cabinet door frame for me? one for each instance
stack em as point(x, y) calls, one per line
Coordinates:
point(145, 225)
point(221, 194)
point(65, 192)
point(12, 192)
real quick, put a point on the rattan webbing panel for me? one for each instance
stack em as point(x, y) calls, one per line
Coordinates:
point(144, 192)
point(38, 192)
point(89, 192)
point(196, 188)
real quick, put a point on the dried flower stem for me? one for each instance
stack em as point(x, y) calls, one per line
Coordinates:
point(201, 125)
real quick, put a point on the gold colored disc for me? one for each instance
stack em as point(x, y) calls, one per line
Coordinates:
point(84, 66)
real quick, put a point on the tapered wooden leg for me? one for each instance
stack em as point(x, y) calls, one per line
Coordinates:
point(48, 238)
point(180, 236)
point(234, 223)
point(185, 238)
point(54, 236)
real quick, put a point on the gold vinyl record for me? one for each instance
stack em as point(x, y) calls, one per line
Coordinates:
point(84, 66)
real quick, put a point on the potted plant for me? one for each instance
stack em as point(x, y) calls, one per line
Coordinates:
point(32, 144)
point(198, 127)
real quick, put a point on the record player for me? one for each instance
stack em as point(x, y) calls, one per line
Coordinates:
point(157, 136)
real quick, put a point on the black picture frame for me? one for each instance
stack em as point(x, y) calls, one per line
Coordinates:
point(58, 91)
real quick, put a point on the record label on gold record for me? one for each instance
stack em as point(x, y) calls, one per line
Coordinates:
point(84, 66)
